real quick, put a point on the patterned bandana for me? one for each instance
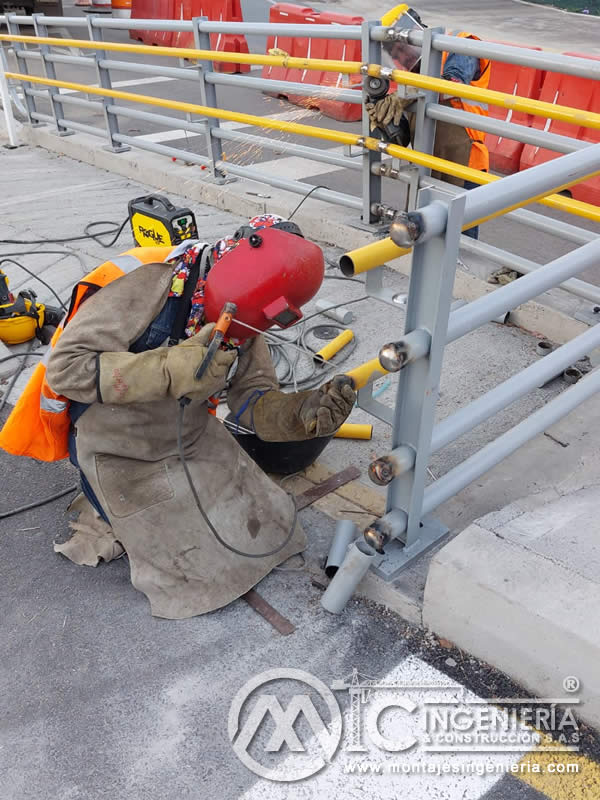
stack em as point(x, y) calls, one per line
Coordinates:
point(183, 262)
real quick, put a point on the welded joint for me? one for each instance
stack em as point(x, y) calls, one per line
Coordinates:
point(416, 227)
point(383, 212)
point(383, 470)
point(396, 355)
point(391, 526)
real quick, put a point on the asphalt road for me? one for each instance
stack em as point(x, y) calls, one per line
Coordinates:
point(521, 240)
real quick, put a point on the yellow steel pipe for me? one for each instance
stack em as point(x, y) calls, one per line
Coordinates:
point(576, 207)
point(321, 64)
point(334, 346)
point(354, 430)
point(575, 116)
point(370, 256)
point(367, 372)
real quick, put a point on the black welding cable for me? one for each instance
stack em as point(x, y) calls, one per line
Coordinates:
point(38, 503)
point(211, 527)
point(114, 228)
point(37, 277)
point(17, 373)
point(306, 196)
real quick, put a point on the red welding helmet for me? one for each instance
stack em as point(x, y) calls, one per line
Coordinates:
point(269, 274)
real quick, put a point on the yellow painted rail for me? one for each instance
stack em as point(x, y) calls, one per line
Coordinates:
point(576, 207)
point(575, 116)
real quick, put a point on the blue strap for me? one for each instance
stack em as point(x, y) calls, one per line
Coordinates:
point(247, 403)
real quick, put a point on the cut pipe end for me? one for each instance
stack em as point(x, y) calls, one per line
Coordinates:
point(347, 266)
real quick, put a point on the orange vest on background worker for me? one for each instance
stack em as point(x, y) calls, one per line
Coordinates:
point(38, 425)
point(479, 157)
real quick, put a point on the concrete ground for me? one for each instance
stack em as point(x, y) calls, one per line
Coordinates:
point(114, 703)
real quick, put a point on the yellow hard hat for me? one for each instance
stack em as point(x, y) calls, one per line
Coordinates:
point(20, 321)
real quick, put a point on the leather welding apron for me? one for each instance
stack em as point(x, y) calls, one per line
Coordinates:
point(175, 559)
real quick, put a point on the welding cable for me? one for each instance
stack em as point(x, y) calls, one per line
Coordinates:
point(64, 252)
point(37, 278)
point(18, 372)
point(306, 196)
point(38, 503)
point(182, 404)
point(115, 228)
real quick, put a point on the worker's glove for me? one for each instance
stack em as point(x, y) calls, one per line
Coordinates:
point(280, 417)
point(144, 377)
point(387, 110)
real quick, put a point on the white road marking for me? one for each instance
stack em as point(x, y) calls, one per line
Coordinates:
point(341, 778)
point(124, 84)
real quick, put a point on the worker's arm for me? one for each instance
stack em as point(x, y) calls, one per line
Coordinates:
point(91, 362)
point(460, 68)
point(276, 416)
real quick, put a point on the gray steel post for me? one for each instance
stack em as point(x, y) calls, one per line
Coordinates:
point(208, 95)
point(19, 48)
point(111, 121)
point(371, 54)
point(7, 104)
point(428, 308)
point(424, 135)
point(50, 72)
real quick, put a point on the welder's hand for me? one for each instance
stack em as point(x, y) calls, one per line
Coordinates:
point(184, 359)
point(389, 109)
point(327, 407)
point(144, 377)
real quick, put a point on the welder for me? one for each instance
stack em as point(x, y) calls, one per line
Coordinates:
point(128, 362)
point(452, 142)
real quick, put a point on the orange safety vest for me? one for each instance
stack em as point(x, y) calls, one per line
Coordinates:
point(479, 157)
point(38, 425)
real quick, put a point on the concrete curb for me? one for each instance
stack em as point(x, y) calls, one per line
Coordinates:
point(326, 223)
point(521, 611)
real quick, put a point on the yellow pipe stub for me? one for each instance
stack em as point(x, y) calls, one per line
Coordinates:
point(367, 372)
point(334, 346)
point(354, 430)
point(370, 256)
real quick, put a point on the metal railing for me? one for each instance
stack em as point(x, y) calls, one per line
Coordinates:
point(438, 212)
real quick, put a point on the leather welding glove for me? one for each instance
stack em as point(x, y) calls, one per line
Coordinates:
point(281, 417)
point(144, 377)
point(389, 109)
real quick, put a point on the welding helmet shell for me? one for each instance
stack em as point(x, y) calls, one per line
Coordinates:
point(400, 54)
point(269, 274)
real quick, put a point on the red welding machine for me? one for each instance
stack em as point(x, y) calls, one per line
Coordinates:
point(268, 276)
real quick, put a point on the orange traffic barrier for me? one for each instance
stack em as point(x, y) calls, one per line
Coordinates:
point(214, 10)
point(153, 9)
point(287, 13)
point(306, 47)
point(505, 153)
point(343, 50)
point(571, 91)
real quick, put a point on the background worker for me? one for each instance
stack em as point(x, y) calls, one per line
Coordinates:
point(124, 386)
point(452, 142)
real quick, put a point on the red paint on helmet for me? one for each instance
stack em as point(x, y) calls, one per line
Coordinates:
point(268, 282)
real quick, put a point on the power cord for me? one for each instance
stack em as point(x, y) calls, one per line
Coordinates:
point(114, 228)
point(182, 404)
point(37, 277)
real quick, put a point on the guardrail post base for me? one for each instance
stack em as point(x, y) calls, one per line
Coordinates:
point(398, 557)
point(112, 123)
point(50, 72)
point(208, 95)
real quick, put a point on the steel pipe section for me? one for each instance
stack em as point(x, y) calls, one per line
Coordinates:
point(509, 130)
point(553, 62)
point(575, 286)
point(517, 386)
point(396, 355)
point(286, 87)
point(383, 470)
point(477, 313)
point(197, 128)
point(279, 146)
point(150, 69)
point(256, 28)
point(462, 475)
point(486, 202)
